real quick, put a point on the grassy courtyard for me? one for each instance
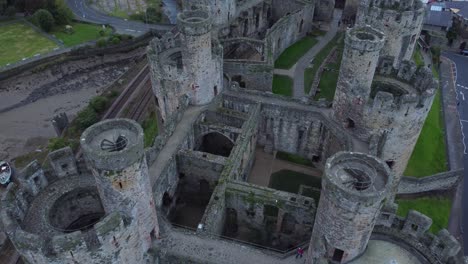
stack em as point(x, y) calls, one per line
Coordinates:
point(82, 33)
point(282, 85)
point(21, 41)
point(309, 73)
point(290, 181)
point(436, 208)
point(429, 155)
point(291, 55)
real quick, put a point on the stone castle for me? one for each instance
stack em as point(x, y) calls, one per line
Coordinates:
point(190, 197)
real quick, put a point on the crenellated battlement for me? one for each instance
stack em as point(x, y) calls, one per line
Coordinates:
point(405, 21)
point(194, 22)
point(403, 88)
point(64, 220)
point(414, 230)
point(396, 5)
point(110, 235)
point(364, 38)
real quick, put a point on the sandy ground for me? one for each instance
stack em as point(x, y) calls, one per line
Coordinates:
point(29, 127)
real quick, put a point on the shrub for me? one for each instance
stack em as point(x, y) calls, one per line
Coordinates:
point(102, 33)
point(153, 15)
point(113, 94)
point(10, 11)
point(57, 143)
point(115, 40)
point(99, 104)
point(101, 42)
point(125, 37)
point(86, 117)
point(44, 19)
point(63, 15)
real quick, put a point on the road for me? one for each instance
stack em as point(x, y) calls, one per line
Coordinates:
point(459, 70)
point(85, 13)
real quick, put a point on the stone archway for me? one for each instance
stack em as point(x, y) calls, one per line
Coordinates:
point(216, 143)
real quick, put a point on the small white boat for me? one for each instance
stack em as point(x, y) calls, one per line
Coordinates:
point(5, 173)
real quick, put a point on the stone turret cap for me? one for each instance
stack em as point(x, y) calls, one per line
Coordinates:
point(113, 144)
point(194, 22)
point(357, 176)
point(365, 38)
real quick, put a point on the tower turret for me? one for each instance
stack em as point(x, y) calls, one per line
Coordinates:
point(201, 62)
point(114, 151)
point(360, 58)
point(400, 20)
point(354, 186)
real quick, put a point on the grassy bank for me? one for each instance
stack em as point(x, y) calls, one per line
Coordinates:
point(19, 41)
point(429, 155)
point(309, 73)
point(282, 85)
point(150, 129)
point(81, 33)
point(291, 55)
point(436, 208)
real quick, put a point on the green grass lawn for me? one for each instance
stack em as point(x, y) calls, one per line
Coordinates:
point(436, 208)
point(282, 85)
point(417, 57)
point(291, 55)
point(327, 85)
point(294, 158)
point(309, 73)
point(150, 129)
point(20, 41)
point(429, 155)
point(82, 33)
point(290, 181)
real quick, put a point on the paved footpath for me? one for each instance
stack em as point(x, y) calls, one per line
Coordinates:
point(296, 72)
point(304, 62)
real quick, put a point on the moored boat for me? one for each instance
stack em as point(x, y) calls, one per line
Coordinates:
point(5, 173)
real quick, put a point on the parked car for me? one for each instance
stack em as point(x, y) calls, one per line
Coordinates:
point(464, 52)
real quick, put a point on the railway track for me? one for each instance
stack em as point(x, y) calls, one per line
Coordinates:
point(115, 110)
point(120, 103)
point(138, 112)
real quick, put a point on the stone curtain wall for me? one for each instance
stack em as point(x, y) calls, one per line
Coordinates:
point(287, 30)
point(110, 239)
point(412, 231)
point(126, 6)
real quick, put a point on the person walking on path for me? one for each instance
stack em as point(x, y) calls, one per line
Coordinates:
point(300, 252)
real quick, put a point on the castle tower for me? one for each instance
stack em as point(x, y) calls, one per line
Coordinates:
point(360, 58)
point(203, 68)
point(354, 186)
point(400, 20)
point(115, 154)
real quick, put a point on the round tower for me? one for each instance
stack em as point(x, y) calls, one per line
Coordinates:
point(354, 187)
point(115, 154)
point(360, 58)
point(401, 21)
point(202, 66)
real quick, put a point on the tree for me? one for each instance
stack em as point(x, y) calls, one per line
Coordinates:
point(99, 104)
point(44, 19)
point(153, 15)
point(62, 14)
point(3, 5)
point(86, 118)
point(10, 11)
point(451, 36)
point(463, 46)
